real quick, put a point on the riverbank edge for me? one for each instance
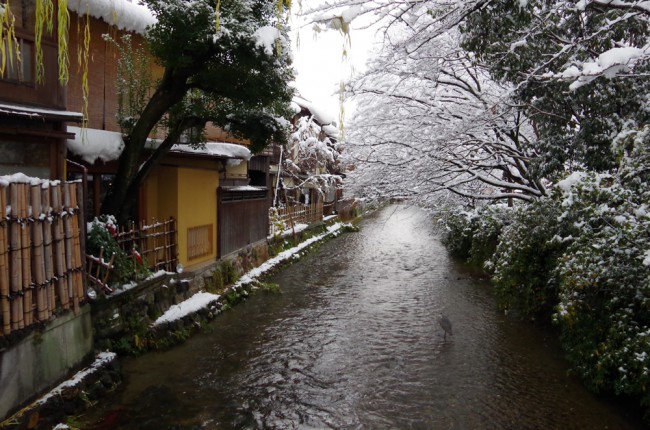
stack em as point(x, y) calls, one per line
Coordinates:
point(86, 387)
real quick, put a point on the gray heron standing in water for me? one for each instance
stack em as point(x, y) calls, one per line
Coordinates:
point(445, 324)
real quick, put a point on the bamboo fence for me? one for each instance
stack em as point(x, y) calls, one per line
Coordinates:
point(41, 269)
point(289, 216)
point(155, 242)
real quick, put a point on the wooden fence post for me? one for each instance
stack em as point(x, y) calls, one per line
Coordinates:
point(47, 225)
point(4, 263)
point(77, 263)
point(59, 247)
point(38, 257)
point(69, 247)
point(25, 253)
point(17, 321)
point(81, 222)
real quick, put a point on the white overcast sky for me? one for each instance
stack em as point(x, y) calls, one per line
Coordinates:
point(320, 66)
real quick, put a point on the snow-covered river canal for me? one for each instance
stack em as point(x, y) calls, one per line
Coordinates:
point(352, 342)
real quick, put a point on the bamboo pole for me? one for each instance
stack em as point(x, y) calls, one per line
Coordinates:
point(77, 264)
point(69, 248)
point(25, 254)
point(38, 258)
point(17, 321)
point(59, 248)
point(81, 223)
point(48, 256)
point(4, 269)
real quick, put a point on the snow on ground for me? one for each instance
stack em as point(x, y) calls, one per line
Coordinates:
point(195, 303)
point(131, 285)
point(285, 255)
point(202, 299)
point(297, 228)
point(100, 361)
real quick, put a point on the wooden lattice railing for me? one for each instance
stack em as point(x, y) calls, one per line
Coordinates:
point(41, 268)
point(156, 243)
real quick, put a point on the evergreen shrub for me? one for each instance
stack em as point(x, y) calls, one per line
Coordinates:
point(604, 308)
point(525, 259)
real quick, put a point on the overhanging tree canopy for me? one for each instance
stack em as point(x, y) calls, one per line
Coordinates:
point(230, 74)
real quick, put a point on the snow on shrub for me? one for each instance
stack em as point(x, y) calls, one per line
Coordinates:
point(472, 235)
point(102, 233)
point(604, 308)
point(526, 257)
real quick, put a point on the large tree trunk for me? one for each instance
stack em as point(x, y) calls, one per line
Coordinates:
point(123, 193)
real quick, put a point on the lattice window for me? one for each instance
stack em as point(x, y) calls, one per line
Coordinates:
point(199, 241)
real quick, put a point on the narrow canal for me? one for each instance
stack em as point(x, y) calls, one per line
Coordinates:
point(352, 343)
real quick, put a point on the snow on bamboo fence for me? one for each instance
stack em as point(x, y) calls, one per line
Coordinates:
point(155, 242)
point(155, 245)
point(287, 217)
point(41, 268)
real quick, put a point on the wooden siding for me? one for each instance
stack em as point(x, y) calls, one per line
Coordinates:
point(242, 220)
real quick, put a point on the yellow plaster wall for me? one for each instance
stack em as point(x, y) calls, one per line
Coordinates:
point(197, 206)
point(161, 190)
point(188, 195)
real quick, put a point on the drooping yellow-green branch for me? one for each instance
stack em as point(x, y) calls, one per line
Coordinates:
point(217, 12)
point(85, 89)
point(63, 27)
point(8, 41)
point(44, 21)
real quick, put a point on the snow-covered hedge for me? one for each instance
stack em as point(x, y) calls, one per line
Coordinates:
point(604, 307)
point(472, 235)
point(526, 257)
point(582, 259)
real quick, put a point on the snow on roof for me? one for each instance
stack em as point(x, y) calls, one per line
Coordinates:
point(244, 188)
point(321, 116)
point(91, 144)
point(216, 149)
point(124, 14)
point(39, 112)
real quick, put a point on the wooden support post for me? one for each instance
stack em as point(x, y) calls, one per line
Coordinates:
point(4, 265)
point(38, 258)
point(48, 255)
point(25, 253)
point(77, 263)
point(69, 249)
point(17, 321)
point(81, 222)
point(59, 247)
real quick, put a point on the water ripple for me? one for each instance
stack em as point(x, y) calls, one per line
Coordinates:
point(353, 343)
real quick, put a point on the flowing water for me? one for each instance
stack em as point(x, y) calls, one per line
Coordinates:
point(352, 342)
